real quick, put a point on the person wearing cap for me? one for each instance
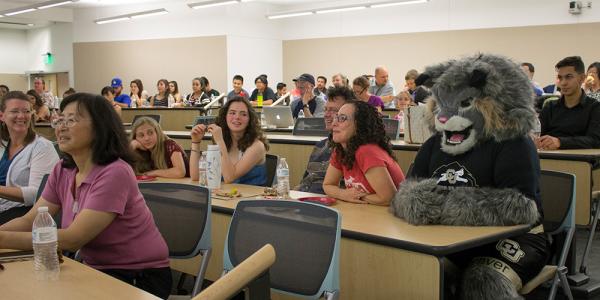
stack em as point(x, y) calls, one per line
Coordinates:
point(383, 87)
point(122, 100)
point(311, 105)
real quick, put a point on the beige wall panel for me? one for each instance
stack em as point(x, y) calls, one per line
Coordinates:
point(16, 82)
point(179, 59)
point(354, 56)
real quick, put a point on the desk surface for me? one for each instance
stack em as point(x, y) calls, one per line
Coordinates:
point(77, 281)
point(375, 224)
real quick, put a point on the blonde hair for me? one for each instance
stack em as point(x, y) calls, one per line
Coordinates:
point(157, 154)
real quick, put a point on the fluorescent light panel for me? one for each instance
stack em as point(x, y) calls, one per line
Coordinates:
point(207, 4)
point(379, 5)
point(21, 11)
point(290, 15)
point(340, 9)
point(49, 4)
point(142, 14)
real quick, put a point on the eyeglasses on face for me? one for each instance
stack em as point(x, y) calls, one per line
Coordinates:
point(67, 122)
point(341, 118)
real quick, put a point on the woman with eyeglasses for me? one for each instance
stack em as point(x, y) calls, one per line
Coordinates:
point(241, 142)
point(25, 157)
point(104, 215)
point(360, 86)
point(362, 156)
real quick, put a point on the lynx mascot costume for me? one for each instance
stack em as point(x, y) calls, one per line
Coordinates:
point(480, 168)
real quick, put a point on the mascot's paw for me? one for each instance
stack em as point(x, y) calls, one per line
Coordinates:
point(483, 280)
point(418, 202)
point(487, 207)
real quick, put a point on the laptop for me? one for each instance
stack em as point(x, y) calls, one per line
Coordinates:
point(278, 116)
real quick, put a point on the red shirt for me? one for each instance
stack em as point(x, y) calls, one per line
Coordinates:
point(367, 157)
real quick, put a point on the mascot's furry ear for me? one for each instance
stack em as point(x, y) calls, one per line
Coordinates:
point(478, 78)
point(432, 73)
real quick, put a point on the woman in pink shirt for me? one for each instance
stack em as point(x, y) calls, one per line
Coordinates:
point(362, 156)
point(103, 212)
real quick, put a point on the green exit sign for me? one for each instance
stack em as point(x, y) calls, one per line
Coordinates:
point(49, 58)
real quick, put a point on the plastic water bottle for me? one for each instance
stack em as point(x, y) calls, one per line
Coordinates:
point(202, 167)
point(44, 238)
point(213, 167)
point(283, 179)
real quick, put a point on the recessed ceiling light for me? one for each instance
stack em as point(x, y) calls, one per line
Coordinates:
point(22, 11)
point(341, 9)
point(290, 15)
point(53, 4)
point(379, 5)
point(207, 4)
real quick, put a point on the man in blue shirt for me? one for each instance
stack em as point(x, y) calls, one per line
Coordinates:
point(121, 99)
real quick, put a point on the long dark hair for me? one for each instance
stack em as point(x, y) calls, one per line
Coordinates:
point(110, 141)
point(4, 135)
point(140, 87)
point(253, 131)
point(38, 100)
point(369, 130)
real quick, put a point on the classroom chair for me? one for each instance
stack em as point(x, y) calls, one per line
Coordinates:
point(558, 201)
point(306, 238)
point(241, 276)
point(310, 127)
point(392, 128)
point(182, 213)
point(271, 165)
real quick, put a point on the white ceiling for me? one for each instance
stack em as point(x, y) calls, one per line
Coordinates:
point(103, 3)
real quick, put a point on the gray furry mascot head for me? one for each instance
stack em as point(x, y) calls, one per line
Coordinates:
point(479, 103)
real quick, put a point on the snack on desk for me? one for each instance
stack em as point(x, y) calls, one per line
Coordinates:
point(270, 192)
point(233, 193)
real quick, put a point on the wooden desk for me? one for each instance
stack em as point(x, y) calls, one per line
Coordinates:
point(284, 131)
point(381, 256)
point(77, 281)
point(172, 118)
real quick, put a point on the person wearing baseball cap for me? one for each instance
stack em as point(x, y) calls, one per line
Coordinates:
point(123, 100)
point(308, 103)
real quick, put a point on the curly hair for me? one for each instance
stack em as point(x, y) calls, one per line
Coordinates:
point(369, 130)
point(253, 131)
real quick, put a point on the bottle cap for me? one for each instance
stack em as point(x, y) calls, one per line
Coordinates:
point(42, 209)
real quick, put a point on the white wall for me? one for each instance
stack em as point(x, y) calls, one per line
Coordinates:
point(13, 58)
point(56, 39)
point(435, 15)
point(251, 57)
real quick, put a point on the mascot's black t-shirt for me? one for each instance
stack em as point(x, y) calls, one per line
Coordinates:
point(510, 164)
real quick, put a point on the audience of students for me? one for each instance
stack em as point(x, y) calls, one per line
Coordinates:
point(321, 88)
point(109, 94)
point(592, 83)
point(262, 91)
point(529, 70)
point(209, 92)
point(360, 86)
point(139, 96)
point(157, 154)
point(121, 99)
point(402, 101)
point(382, 87)
point(312, 181)
point(238, 88)
point(308, 103)
point(25, 157)
point(174, 91)
point(573, 121)
point(243, 146)
point(41, 113)
point(163, 98)
point(362, 157)
point(194, 98)
point(103, 212)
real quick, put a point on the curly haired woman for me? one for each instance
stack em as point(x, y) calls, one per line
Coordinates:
point(241, 142)
point(362, 155)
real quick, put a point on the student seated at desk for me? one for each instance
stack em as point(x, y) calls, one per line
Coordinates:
point(157, 154)
point(573, 121)
point(312, 181)
point(241, 141)
point(262, 91)
point(25, 157)
point(41, 113)
point(164, 97)
point(103, 212)
point(362, 155)
point(109, 94)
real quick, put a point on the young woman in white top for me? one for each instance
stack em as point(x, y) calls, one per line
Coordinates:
point(174, 90)
point(24, 157)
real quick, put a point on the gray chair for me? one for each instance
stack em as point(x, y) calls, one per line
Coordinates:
point(305, 236)
point(41, 187)
point(310, 127)
point(392, 128)
point(558, 201)
point(271, 166)
point(182, 214)
point(155, 117)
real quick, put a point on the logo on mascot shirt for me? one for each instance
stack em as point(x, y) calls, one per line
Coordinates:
point(454, 174)
point(510, 250)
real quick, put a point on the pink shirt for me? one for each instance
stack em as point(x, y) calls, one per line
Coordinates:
point(132, 241)
point(366, 157)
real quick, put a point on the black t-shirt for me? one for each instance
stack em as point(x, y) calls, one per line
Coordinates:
point(268, 94)
point(510, 164)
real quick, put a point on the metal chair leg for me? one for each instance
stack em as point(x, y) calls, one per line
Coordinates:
point(203, 266)
point(588, 245)
point(565, 284)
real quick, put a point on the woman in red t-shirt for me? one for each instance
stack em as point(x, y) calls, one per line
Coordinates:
point(362, 156)
point(157, 155)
